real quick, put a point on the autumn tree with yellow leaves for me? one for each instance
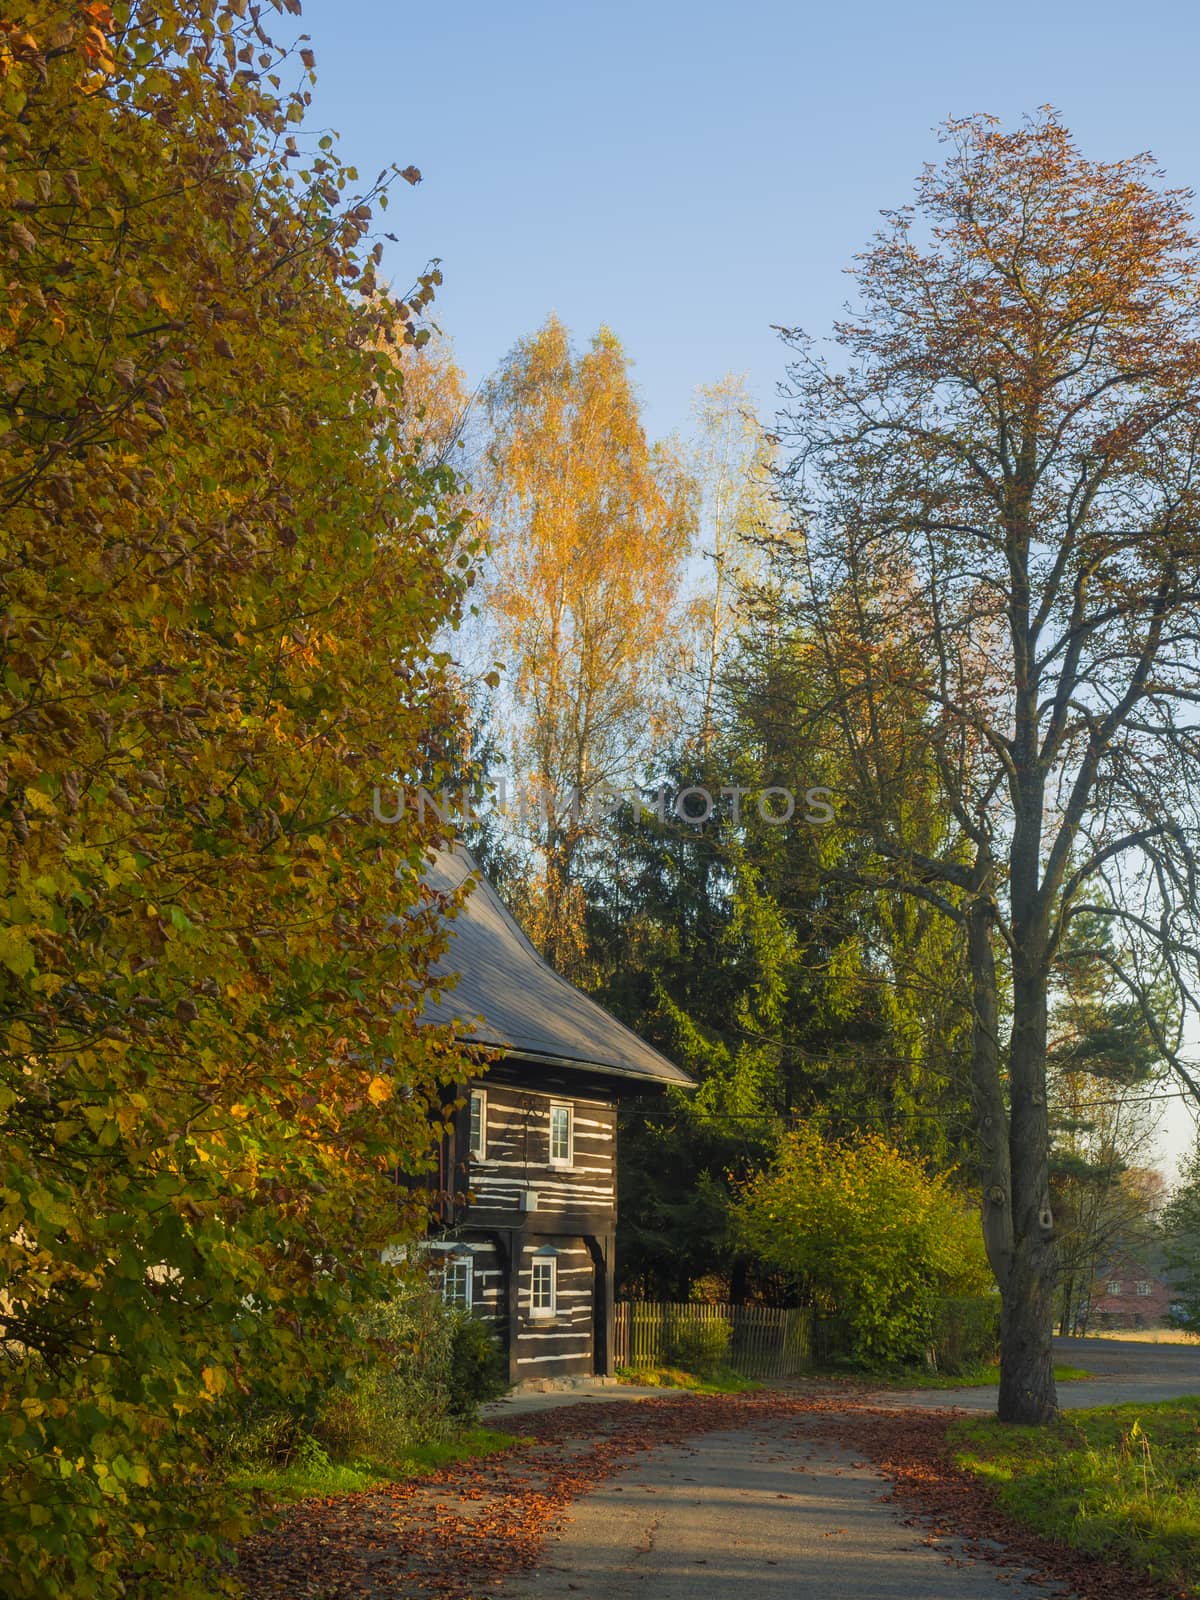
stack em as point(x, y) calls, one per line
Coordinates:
point(590, 528)
point(225, 569)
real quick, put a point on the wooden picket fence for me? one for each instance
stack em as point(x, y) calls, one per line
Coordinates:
point(766, 1341)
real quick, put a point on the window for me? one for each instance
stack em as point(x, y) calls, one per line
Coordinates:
point(560, 1136)
point(478, 1146)
point(1143, 1288)
point(457, 1277)
point(1113, 1288)
point(544, 1292)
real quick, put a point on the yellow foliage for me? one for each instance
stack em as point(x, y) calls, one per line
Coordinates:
point(590, 528)
point(225, 571)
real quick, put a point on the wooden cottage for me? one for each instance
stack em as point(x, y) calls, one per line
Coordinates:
point(529, 1178)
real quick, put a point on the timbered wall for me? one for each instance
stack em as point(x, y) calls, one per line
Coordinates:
point(518, 1151)
point(560, 1346)
point(574, 1216)
point(488, 1289)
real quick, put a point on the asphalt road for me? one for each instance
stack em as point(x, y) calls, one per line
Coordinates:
point(1124, 1372)
point(1139, 1363)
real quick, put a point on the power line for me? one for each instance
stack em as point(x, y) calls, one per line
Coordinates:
point(930, 1115)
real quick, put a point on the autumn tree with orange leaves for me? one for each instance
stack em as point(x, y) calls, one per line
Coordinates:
point(227, 561)
point(590, 529)
point(994, 572)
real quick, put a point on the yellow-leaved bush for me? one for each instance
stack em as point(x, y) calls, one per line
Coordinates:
point(865, 1231)
point(227, 575)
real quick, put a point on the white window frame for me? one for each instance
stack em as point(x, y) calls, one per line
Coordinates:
point(543, 1259)
point(569, 1159)
point(457, 1259)
point(478, 1152)
point(1113, 1286)
point(1142, 1287)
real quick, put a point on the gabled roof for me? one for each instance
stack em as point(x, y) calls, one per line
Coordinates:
point(509, 998)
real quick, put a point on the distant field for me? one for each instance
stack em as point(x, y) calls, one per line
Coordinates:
point(1144, 1335)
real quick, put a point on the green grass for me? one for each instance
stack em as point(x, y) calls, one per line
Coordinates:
point(1117, 1480)
point(324, 1478)
point(978, 1378)
point(724, 1382)
point(922, 1378)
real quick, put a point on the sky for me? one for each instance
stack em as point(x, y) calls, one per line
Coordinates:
point(694, 175)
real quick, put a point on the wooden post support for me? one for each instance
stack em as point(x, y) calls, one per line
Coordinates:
point(605, 1317)
point(512, 1276)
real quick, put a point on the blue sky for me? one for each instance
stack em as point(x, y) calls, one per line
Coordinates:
point(693, 173)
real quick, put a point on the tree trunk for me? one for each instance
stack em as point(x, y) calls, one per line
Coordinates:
point(1067, 1306)
point(1027, 1392)
point(995, 1175)
point(1018, 1227)
point(738, 1281)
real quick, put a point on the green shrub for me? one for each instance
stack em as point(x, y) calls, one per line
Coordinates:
point(699, 1347)
point(258, 1436)
point(867, 1233)
point(478, 1368)
point(399, 1393)
point(423, 1371)
point(832, 1341)
point(966, 1332)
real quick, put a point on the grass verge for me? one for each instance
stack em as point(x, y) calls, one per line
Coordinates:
point(726, 1381)
point(922, 1378)
point(304, 1479)
point(1118, 1481)
point(977, 1378)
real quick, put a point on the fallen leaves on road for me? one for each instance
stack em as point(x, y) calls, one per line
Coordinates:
point(466, 1528)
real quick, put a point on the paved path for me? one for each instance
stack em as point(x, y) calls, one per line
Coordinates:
point(764, 1513)
point(755, 1514)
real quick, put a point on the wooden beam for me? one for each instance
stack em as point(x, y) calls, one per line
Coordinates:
point(512, 1284)
point(609, 1244)
point(536, 1222)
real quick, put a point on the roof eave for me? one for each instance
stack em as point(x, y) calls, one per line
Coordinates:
point(577, 1063)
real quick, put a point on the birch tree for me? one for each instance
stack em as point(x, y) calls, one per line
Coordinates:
point(732, 467)
point(590, 527)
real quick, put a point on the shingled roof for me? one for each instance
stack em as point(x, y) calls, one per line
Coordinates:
point(507, 997)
